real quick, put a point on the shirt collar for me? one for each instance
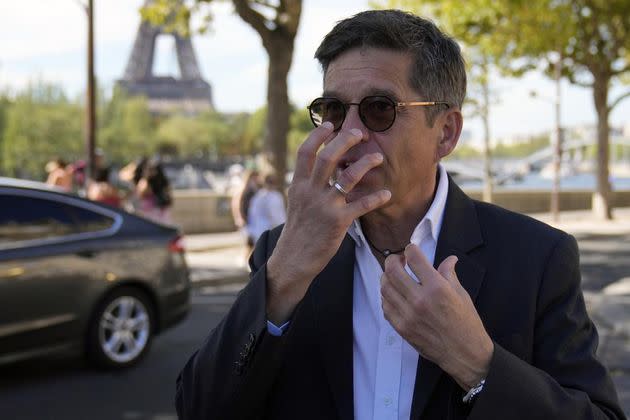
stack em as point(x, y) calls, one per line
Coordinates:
point(433, 217)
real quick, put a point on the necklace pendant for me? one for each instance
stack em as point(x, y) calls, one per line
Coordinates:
point(386, 252)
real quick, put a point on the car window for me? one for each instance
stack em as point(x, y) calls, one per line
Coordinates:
point(26, 218)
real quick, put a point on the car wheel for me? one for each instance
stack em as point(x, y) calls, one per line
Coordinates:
point(121, 329)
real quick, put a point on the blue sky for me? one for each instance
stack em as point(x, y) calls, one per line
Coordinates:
point(45, 39)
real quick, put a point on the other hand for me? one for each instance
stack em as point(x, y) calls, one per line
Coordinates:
point(437, 317)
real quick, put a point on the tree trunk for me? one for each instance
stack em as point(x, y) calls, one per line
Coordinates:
point(280, 50)
point(602, 206)
point(278, 36)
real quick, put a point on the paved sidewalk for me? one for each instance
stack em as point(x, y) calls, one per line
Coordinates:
point(213, 241)
point(582, 221)
point(574, 222)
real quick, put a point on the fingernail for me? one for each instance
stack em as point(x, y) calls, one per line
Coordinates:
point(328, 125)
point(378, 156)
point(357, 132)
point(387, 194)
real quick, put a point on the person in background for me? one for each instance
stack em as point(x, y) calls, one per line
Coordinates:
point(154, 193)
point(59, 174)
point(240, 206)
point(78, 172)
point(267, 208)
point(102, 190)
point(130, 175)
point(234, 179)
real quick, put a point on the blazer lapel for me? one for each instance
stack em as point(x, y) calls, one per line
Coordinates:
point(459, 235)
point(332, 300)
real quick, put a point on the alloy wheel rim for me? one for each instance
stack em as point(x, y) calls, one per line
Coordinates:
point(124, 329)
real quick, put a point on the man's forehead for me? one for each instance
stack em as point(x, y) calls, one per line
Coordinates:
point(370, 57)
point(367, 91)
point(372, 71)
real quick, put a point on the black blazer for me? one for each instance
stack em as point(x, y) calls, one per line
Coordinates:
point(524, 279)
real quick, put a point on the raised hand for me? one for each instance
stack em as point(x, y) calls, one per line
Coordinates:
point(318, 215)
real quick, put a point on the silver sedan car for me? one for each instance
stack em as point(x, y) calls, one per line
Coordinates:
point(78, 275)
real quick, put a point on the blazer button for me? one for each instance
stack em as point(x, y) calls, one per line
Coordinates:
point(238, 368)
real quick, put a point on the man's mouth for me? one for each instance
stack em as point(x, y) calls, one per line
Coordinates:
point(345, 163)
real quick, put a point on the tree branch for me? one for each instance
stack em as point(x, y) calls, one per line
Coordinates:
point(619, 99)
point(265, 3)
point(253, 18)
point(622, 70)
point(576, 82)
point(292, 8)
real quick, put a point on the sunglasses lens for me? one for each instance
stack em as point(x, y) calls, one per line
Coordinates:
point(378, 113)
point(327, 109)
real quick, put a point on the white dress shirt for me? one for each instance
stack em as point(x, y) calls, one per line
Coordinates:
point(384, 364)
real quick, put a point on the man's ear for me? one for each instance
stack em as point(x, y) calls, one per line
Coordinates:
point(451, 123)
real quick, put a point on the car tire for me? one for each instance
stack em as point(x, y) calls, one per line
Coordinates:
point(121, 329)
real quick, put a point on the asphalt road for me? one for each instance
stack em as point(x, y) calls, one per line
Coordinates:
point(64, 388)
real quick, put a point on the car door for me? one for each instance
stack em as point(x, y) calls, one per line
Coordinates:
point(45, 270)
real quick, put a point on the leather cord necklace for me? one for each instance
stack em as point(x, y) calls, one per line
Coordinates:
point(384, 252)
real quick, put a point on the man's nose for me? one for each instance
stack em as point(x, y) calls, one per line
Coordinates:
point(353, 120)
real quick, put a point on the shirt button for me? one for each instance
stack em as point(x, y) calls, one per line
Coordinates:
point(390, 340)
point(387, 401)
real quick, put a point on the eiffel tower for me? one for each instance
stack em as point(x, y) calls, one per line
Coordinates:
point(166, 94)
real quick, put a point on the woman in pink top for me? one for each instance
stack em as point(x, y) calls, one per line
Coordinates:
point(154, 193)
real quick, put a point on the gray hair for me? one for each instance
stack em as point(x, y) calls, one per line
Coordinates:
point(438, 71)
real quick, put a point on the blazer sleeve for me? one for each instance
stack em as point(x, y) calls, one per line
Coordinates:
point(565, 380)
point(231, 374)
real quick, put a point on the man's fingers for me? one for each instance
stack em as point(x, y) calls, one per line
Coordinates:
point(355, 172)
point(308, 149)
point(425, 271)
point(328, 158)
point(367, 203)
point(447, 269)
point(389, 293)
point(419, 264)
point(398, 277)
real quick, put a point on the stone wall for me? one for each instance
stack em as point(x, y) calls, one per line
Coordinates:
point(539, 201)
point(202, 211)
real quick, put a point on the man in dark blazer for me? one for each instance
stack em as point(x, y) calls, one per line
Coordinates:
point(388, 293)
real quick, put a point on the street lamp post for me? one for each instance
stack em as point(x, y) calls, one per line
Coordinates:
point(90, 108)
point(90, 105)
point(557, 153)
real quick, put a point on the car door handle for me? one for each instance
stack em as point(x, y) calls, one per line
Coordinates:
point(86, 254)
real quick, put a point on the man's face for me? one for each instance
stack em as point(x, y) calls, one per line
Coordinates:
point(410, 147)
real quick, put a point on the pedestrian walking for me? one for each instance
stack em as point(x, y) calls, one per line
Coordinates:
point(267, 208)
point(102, 190)
point(154, 193)
point(59, 174)
point(241, 204)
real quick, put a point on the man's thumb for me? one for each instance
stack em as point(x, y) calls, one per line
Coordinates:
point(447, 268)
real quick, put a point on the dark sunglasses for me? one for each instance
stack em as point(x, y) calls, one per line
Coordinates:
point(377, 113)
